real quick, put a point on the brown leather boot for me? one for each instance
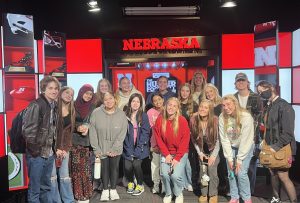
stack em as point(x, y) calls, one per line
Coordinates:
point(203, 199)
point(213, 199)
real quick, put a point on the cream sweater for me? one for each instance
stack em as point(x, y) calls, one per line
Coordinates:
point(242, 140)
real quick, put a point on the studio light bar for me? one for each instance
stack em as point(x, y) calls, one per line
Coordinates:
point(161, 11)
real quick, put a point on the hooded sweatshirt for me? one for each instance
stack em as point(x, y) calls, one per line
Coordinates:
point(124, 99)
point(107, 131)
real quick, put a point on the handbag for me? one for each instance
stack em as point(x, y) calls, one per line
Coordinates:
point(275, 160)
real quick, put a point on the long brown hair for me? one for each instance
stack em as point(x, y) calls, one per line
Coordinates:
point(211, 129)
point(165, 116)
point(128, 111)
point(99, 95)
point(190, 101)
point(71, 109)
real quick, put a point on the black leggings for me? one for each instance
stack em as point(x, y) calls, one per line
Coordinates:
point(110, 171)
point(134, 168)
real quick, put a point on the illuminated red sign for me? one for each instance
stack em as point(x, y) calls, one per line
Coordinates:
point(160, 44)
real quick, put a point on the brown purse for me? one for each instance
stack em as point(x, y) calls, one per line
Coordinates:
point(275, 160)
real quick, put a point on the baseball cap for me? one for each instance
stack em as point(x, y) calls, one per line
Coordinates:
point(241, 76)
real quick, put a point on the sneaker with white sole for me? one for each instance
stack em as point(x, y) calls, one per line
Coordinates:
point(167, 199)
point(179, 198)
point(114, 194)
point(275, 200)
point(190, 188)
point(139, 189)
point(130, 187)
point(155, 190)
point(104, 196)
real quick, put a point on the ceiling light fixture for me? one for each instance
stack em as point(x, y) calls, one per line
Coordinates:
point(93, 6)
point(228, 3)
point(161, 11)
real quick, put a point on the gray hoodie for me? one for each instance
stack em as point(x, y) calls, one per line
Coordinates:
point(107, 131)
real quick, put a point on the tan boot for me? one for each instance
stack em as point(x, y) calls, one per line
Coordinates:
point(203, 199)
point(213, 199)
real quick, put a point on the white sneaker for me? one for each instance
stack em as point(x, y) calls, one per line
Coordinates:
point(167, 199)
point(179, 199)
point(190, 188)
point(82, 201)
point(114, 195)
point(104, 196)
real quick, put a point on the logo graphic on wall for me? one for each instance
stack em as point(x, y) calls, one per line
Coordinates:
point(20, 23)
point(151, 83)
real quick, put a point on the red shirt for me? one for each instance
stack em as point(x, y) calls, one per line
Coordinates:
point(169, 143)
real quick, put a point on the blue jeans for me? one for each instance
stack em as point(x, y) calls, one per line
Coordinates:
point(39, 173)
point(176, 178)
point(239, 184)
point(187, 177)
point(63, 192)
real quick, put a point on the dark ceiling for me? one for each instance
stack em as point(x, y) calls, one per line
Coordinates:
point(72, 17)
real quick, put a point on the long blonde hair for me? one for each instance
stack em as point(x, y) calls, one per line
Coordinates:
point(193, 86)
point(236, 114)
point(165, 116)
point(190, 101)
point(218, 99)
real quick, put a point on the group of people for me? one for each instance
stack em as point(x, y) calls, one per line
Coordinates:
point(193, 139)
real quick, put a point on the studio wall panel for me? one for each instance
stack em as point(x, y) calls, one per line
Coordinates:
point(228, 79)
point(237, 51)
point(84, 55)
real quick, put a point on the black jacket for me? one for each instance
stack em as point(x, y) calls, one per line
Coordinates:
point(280, 125)
point(38, 132)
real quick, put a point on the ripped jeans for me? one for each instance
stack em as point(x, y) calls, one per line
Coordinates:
point(61, 184)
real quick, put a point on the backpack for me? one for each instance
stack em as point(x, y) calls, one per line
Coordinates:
point(17, 141)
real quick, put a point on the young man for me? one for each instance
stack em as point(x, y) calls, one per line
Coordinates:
point(252, 102)
point(39, 131)
point(163, 89)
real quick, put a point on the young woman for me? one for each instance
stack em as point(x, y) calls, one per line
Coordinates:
point(136, 143)
point(211, 93)
point(80, 151)
point(198, 83)
point(172, 134)
point(107, 132)
point(188, 107)
point(236, 128)
point(103, 87)
point(62, 189)
point(205, 136)
point(280, 120)
point(126, 89)
point(153, 113)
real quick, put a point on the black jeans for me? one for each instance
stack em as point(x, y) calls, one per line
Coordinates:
point(134, 168)
point(110, 171)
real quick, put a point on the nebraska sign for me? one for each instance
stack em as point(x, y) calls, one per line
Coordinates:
point(161, 44)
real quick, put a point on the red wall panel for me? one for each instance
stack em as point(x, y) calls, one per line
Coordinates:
point(2, 136)
point(84, 55)
point(237, 51)
point(285, 49)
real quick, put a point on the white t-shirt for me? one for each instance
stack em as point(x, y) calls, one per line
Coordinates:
point(243, 101)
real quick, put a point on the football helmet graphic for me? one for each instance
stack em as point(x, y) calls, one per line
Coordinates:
point(20, 23)
point(23, 93)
